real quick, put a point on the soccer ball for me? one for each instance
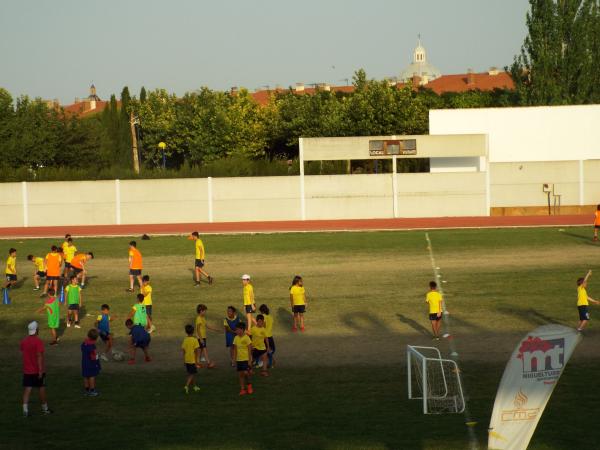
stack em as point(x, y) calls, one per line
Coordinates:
point(118, 356)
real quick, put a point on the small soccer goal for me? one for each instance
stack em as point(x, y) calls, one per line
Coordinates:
point(434, 380)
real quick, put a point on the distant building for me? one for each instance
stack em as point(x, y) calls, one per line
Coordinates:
point(420, 69)
point(89, 105)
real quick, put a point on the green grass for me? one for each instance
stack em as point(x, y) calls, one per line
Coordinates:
point(341, 385)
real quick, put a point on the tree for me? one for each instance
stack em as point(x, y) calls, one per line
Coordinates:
point(558, 63)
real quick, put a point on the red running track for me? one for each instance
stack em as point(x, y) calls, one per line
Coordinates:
point(299, 226)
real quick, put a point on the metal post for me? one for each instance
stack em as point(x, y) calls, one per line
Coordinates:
point(409, 362)
point(395, 185)
point(424, 384)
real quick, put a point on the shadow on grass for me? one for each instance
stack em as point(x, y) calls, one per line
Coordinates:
point(582, 237)
point(413, 324)
point(285, 316)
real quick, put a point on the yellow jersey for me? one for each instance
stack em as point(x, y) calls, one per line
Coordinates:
point(268, 324)
point(434, 298)
point(201, 326)
point(582, 298)
point(189, 346)
point(147, 293)
point(248, 295)
point(11, 265)
point(298, 295)
point(199, 249)
point(241, 345)
point(39, 264)
point(68, 251)
point(259, 334)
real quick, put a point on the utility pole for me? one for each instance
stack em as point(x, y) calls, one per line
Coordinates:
point(136, 162)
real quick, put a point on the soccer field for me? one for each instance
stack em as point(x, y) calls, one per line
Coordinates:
point(339, 385)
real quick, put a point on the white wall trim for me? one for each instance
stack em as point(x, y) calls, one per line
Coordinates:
point(301, 162)
point(210, 199)
point(395, 185)
point(25, 200)
point(118, 202)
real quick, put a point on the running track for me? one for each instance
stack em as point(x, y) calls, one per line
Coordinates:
point(298, 226)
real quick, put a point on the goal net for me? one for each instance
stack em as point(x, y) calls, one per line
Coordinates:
point(434, 380)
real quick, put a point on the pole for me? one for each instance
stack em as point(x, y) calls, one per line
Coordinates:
point(136, 161)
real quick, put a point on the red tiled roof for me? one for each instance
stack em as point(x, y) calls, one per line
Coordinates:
point(263, 97)
point(481, 81)
point(79, 108)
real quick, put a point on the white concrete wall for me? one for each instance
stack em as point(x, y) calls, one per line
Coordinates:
point(454, 164)
point(591, 176)
point(11, 205)
point(546, 133)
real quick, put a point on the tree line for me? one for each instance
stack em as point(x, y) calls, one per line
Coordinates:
point(559, 63)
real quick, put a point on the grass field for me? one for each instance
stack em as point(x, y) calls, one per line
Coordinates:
point(340, 385)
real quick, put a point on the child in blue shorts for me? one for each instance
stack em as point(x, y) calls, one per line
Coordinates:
point(103, 326)
point(230, 323)
point(90, 364)
point(138, 338)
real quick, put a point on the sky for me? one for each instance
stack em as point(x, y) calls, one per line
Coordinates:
point(57, 48)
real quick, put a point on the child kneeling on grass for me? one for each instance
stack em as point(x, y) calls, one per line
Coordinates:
point(242, 346)
point(90, 364)
point(191, 358)
point(138, 338)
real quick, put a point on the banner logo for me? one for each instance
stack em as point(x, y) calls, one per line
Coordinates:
point(542, 359)
point(520, 412)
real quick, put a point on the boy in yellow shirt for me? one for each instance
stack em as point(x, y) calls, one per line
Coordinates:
point(40, 270)
point(199, 262)
point(583, 301)
point(69, 251)
point(146, 291)
point(260, 345)
point(242, 351)
point(434, 298)
point(298, 302)
point(249, 303)
point(191, 358)
point(201, 327)
point(11, 268)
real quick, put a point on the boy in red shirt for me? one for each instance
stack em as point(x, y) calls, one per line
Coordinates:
point(34, 372)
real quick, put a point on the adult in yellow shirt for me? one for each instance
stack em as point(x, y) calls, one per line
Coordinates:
point(69, 251)
point(199, 263)
point(39, 271)
point(249, 304)
point(260, 345)
point(191, 358)
point(242, 351)
point(298, 302)
point(11, 268)
point(583, 301)
point(434, 298)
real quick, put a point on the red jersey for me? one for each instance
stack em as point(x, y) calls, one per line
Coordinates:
point(30, 347)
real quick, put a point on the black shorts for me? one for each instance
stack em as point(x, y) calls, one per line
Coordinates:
point(76, 270)
point(135, 272)
point(11, 277)
point(103, 335)
point(597, 227)
point(34, 380)
point(50, 278)
point(202, 342)
point(142, 344)
point(435, 317)
point(74, 307)
point(248, 308)
point(191, 368)
point(584, 314)
point(199, 263)
point(242, 366)
point(256, 353)
point(299, 309)
point(271, 344)
point(68, 265)
point(149, 311)
point(41, 274)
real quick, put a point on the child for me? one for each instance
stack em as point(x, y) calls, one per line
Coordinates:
point(90, 364)
point(74, 301)
point(249, 304)
point(40, 270)
point(52, 308)
point(103, 325)
point(138, 313)
point(230, 323)
point(434, 298)
point(52, 263)
point(146, 291)
point(260, 345)
point(78, 266)
point(69, 251)
point(11, 269)
point(138, 338)
point(191, 358)
point(199, 263)
point(596, 222)
point(135, 265)
point(298, 302)
point(583, 301)
point(201, 327)
point(242, 351)
point(264, 310)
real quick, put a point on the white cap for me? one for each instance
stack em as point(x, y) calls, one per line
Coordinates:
point(245, 277)
point(32, 327)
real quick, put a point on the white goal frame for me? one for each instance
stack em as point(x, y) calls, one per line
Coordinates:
point(416, 352)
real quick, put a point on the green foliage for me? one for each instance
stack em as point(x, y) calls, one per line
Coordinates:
point(560, 58)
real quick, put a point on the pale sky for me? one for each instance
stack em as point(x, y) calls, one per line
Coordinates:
point(57, 48)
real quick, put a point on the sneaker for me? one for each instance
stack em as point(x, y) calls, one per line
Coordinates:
point(36, 288)
point(103, 357)
point(197, 284)
point(82, 286)
point(152, 329)
point(43, 294)
point(233, 364)
point(243, 392)
point(54, 342)
point(47, 411)
point(211, 365)
point(595, 238)
point(264, 373)
point(26, 414)
point(68, 324)
point(196, 389)
point(128, 290)
point(93, 394)
point(250, 389)
point(302, 329)
point(186, 389)
point(294, 329)
point(77, 325)
point(210, 280)
point(147, 359)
